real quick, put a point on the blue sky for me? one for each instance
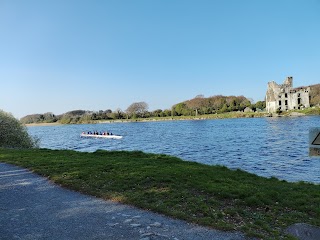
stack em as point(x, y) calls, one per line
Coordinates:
point(62, 55)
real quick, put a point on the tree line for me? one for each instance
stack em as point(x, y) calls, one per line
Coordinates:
point(192, 107)
point(215, 104)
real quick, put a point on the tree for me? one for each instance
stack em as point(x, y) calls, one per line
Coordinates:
point(33, 118)
point(49, 117)
point(157, 113)
point(108, 114)
point(196, 103)
point(224, 108)
point(245, 103)
point(217, 102)
point(39, 118)
point(138, 109)
point(118, 114)
point(179, 109)
point(85, 119)
point(13, 134)
point(261, 105)
point(66, 119)
point(76, 113)
point(199, 96)
point(167, 113)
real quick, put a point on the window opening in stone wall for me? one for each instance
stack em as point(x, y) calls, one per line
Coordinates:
point(280, 103)
point(286, 95)
point(299, 101)
point(298, 94)
point(286, 102)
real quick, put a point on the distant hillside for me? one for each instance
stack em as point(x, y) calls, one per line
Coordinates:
point(49, 117)
point(192, 107)
point(39, 118)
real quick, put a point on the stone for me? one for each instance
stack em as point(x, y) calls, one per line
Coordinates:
point(296, 114)
point(125, 215)
point(156, 224)
point(304, 231)
point(147, 234)
point(247, 109)
point(135, 225)
point(112, 224)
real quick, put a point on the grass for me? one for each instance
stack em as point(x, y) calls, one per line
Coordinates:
point(311, 111)
point(307, 111)
point(212, 196)
point(199, 117)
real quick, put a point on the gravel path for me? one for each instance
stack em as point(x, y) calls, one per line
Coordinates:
point(31, 207)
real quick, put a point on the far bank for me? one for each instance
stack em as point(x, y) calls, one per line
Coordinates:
point(296, 113)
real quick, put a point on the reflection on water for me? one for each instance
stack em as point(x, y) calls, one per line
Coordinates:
point(264, 146)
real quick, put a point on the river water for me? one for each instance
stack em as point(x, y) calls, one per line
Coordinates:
point(265, 146)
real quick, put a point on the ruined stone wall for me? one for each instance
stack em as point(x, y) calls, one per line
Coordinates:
point(271, 96)
point(284, 97)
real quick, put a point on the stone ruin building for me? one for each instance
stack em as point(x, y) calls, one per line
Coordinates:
point(283, 97)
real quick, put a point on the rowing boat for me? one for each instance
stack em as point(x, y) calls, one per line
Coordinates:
point(100, 136)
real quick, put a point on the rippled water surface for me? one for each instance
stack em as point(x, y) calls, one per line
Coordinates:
point(264, 146)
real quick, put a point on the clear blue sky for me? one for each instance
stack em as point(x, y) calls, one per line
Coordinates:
point(62, 55)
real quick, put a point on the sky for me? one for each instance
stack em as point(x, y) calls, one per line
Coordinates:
point(62, 55)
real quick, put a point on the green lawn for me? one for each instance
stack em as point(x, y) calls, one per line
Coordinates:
point(207, 195)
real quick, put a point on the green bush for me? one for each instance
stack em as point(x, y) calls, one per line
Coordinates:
point(13, 134)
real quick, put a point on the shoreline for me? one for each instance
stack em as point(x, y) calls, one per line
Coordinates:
point(183, 118)
point(163, 119)
point(42, 124)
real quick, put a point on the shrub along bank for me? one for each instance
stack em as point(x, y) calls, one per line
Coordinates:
point(13, 134)
point(213, 196)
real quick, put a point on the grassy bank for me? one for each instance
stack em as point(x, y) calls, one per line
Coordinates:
point(308, 111)
point(174, 118)
point(199, 117)
point(207, 195)
point(208, 116)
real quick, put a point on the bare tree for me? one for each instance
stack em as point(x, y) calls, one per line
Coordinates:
point(118, 114)
point(199, 96)
point(138, 108)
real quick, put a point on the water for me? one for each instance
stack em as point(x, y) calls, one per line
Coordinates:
point(265, 146)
